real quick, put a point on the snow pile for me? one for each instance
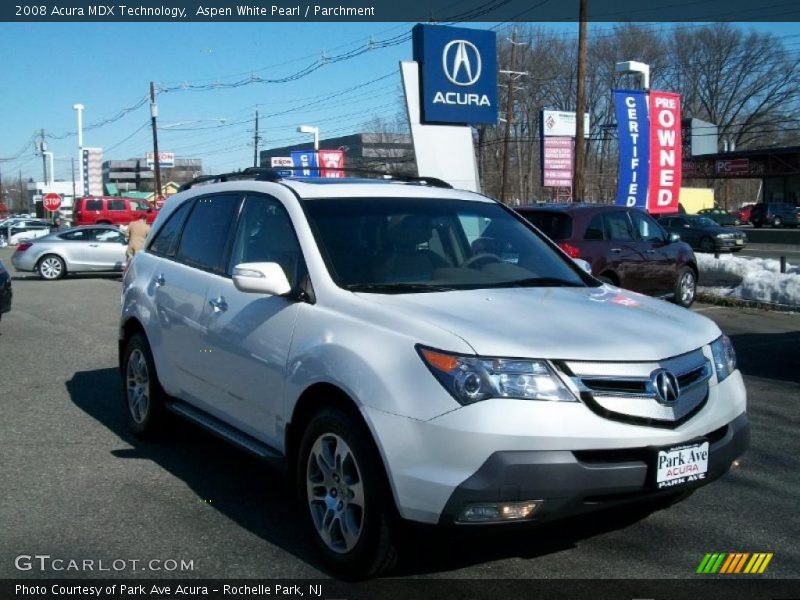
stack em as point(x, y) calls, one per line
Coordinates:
point(757, 279)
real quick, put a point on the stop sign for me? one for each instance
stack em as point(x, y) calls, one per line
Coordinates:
point(52, 201)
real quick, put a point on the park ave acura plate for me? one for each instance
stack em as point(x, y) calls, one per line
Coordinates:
point(681, 465)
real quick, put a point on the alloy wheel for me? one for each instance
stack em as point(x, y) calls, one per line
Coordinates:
point(138, 386)
point(50, 268)
point(335, 492)
point(687, 288)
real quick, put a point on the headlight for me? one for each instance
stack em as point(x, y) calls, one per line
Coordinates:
point(471, 379)
point(724, 357)
point(724, 236)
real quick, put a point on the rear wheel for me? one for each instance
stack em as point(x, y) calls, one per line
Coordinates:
point(51, 267)
point(341, 482)
point(777, 222)
point(144, 397)
point(685, 287)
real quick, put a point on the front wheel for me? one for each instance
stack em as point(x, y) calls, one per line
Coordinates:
point(685, 287)
point(777, 222)
point(341, 482)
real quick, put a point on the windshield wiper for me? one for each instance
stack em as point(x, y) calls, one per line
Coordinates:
point(539, 282)
point(397, 288)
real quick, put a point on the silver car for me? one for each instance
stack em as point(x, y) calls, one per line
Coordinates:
point(90, 248)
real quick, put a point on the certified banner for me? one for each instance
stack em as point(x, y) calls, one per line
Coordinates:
point(665, 152)
point(305, 164)
point(630, 107)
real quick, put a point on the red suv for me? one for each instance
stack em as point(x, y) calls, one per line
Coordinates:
point(110, 210)
point(625, 247)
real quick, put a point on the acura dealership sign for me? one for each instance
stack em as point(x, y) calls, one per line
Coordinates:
point(458, 72)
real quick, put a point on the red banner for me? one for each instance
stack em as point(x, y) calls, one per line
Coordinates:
point(665, 152)
point(330, 163)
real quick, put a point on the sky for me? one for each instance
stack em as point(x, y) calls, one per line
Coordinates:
point(47, 67)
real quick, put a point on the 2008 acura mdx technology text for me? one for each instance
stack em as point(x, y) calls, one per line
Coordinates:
point(415, 352)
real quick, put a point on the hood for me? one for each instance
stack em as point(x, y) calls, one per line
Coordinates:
point(604, 323)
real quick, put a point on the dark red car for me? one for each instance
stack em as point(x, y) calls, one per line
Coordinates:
point(744, 213)
point(110, 210)
point(625, 247)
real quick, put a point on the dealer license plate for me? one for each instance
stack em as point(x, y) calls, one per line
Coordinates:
point(740, 242)
point(681, 465)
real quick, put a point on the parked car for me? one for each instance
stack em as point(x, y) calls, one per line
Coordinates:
point(703, 234)
point(744, 213)
point(417, 353)
point(624, 246)
point(97, 248)
point(721, 216)
point(777, 214)
point(110, 210)
point(5, 290)
point(25, 229)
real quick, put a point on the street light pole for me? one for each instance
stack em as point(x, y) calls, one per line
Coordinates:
point(153, 117)
point(312, 130)
point(79, 109)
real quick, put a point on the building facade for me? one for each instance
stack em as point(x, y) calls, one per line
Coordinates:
point(134, 174)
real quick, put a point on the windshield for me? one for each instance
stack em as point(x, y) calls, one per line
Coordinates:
point(404, 245)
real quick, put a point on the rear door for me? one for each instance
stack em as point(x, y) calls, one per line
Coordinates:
point(624, 257)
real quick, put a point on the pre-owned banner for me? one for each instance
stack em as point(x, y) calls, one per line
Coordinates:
point(665, 152)
point(630, 107)
point(331, 163)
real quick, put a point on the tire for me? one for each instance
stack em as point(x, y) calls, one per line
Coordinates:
point(353, 534)
point(142, 394)
point(707, 245)
point(51, 267)
point(777, 222)
point(685, 287)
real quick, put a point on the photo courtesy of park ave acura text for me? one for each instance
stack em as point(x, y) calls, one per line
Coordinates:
point(362, 300)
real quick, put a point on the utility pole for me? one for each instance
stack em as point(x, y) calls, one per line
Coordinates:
point(512, 74)
point(580, 108)
point(153, 117)
point(255, 142)
point(42, 150)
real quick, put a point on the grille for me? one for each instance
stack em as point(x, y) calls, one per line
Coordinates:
point(623, 390)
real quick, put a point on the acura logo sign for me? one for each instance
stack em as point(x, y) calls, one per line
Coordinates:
point(461, 62)
point(665, 386)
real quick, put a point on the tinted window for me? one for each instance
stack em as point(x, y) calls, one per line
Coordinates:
point(207, 231)
point(265, 234)
point(95, 204)
point(116, 205)
point(166, 239)
point(556, 226)
point(646, 227)
point(595, 229)
point(76, 235)
point(618, 227)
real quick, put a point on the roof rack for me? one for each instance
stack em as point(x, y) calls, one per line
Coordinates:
point(268, 174)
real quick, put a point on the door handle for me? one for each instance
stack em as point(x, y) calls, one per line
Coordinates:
point(159, 281)
point(94, 245)
point(616, 249)
point(649, 251)
point(218, 304)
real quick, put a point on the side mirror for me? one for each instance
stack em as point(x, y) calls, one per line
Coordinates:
point(583, 265)
point(674, 237)
point(261, 278)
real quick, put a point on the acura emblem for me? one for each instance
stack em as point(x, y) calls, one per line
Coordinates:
point(461, 62)
point(665, 386)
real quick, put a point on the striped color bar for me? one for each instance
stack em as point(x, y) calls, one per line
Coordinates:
point(734, 563)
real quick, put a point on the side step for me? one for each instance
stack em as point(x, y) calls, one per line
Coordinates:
point(225, 431)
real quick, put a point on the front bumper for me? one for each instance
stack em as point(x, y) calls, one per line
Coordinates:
point(570, 483)
point(729, 244)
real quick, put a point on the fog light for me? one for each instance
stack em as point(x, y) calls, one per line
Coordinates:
point(498, 511)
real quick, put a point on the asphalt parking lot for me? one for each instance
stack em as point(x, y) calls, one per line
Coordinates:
point(77, 485)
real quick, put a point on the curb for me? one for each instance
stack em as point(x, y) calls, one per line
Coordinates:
point(743, 303)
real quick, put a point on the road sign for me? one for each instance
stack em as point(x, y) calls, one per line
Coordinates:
point(51, 201)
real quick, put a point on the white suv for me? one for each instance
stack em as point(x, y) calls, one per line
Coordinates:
point(415, 352)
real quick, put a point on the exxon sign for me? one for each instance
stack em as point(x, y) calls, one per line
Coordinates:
point(458, 69)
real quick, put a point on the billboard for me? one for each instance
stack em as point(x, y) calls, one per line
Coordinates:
point(92, 171)
point(458, 72)
point(304, 163)
point(561, 123)
point(557, 161)
point(630, 107)
point(282, 164)
point(331, 163)
point(665, 152)
point(166, 160)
